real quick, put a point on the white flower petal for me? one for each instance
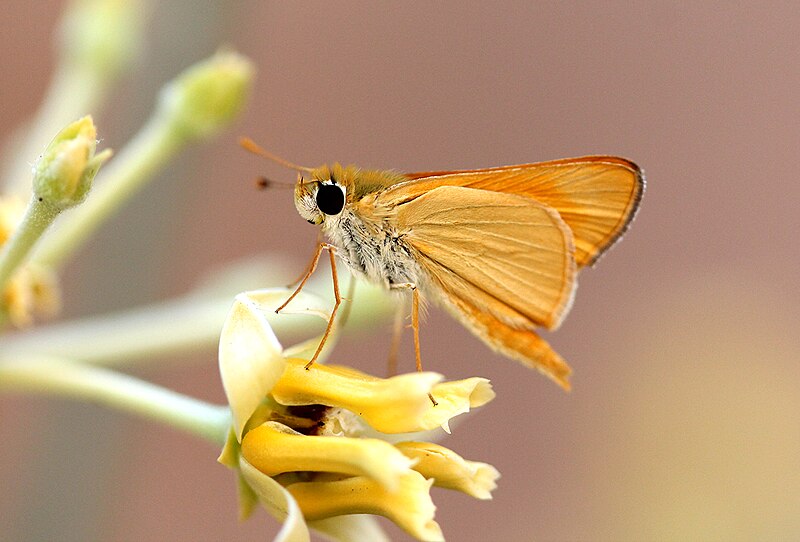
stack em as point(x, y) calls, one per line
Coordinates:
point(250, 356)
point(250, 360)
point(352, 528)
point(278, 502)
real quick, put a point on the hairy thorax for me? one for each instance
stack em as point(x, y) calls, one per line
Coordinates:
point(373, 248)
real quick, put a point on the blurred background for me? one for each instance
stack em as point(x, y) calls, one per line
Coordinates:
point(683, 419)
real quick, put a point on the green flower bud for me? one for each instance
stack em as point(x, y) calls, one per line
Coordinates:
point(63, 174)
point(208, 95)
point(102, 35)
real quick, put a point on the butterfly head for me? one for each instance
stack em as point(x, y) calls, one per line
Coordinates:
point(321, 196)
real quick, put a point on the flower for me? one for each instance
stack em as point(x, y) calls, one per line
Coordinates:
point(306, 443)
point(33, 292)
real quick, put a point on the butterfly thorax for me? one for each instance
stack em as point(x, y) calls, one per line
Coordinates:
point(373, 248)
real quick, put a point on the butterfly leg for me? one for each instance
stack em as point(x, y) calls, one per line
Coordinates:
point(337, 297)
point(310, 267)
point(415, 324)
point(337, 302)
point(309, 271)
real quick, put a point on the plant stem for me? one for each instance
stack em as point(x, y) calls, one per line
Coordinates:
point(189, 323)
point(38, 216)
point(57, 376)
point(181, 325)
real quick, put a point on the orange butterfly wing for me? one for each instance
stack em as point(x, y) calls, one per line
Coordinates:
point(597, 196)
point(514, 251)
point(590, 201)
point(503, 264)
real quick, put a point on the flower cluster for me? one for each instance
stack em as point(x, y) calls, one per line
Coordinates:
point(313, 446)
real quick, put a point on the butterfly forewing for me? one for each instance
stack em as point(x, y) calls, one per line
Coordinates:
point(596, 196)
point(508, 255)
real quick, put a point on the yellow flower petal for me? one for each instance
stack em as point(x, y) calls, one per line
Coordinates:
point(450, 470)
point(274, 449)
point(31, 293)
point(392, 405)
point(11, 212)
point(410, 507)
point(454, 398)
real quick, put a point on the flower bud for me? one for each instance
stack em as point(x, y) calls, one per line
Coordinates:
point(208, 95)
point(102, 36)
point(63, 174)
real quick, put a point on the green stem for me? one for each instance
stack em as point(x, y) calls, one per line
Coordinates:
point(66, 378)
point(135, 164)
point(182, 325)
point(38, 216)
point(185, 324)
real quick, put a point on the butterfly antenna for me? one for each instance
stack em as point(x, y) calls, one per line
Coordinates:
point(263, 183)
point(250, 145)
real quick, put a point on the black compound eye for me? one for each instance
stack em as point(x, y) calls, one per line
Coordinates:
point(330, 199)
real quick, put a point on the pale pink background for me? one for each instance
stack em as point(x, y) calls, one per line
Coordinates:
point(683, 421)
